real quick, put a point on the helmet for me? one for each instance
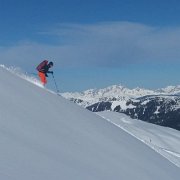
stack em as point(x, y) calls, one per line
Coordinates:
point(51, 63)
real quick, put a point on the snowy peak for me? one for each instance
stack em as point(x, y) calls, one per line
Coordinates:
point(111, 91)
point(172, 90)
point(118, 92)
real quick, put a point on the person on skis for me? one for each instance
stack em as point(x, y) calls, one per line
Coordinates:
point(43, 69)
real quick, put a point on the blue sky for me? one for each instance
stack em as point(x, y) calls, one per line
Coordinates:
point(94, 43)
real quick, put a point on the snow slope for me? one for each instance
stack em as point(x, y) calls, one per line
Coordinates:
point(45, 137)
point(163, 140)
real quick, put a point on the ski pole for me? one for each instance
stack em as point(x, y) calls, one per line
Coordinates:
point(57, 89)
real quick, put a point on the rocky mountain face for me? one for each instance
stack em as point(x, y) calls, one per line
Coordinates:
point(161, 107)
point(160, 110)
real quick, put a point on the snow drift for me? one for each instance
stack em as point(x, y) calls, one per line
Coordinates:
point(43, 136)
point(165, 141)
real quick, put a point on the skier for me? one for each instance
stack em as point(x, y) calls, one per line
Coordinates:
point(43, 69)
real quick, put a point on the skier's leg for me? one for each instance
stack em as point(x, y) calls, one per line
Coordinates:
point(42, 78)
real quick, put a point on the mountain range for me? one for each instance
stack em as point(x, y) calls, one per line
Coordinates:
point(161, 106)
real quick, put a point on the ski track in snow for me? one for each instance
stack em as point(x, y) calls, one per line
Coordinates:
point(173, 157)
point(171, 152)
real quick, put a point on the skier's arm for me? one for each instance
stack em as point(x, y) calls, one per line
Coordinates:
point(51, 72)
point(46, 70)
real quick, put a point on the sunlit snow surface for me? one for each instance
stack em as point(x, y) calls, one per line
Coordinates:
point(19, 72)
point(165, 141)
point(45, 137)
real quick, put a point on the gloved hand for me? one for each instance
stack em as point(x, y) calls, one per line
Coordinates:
point(51, 72)
point(46, 75)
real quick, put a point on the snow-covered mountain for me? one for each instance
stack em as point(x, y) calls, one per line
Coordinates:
point(44, 136)
point(160, 106)
point(160, 110)
point(172, 90)
point(117, 92)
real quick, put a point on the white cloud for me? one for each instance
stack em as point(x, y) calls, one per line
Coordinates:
point(104, 44)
